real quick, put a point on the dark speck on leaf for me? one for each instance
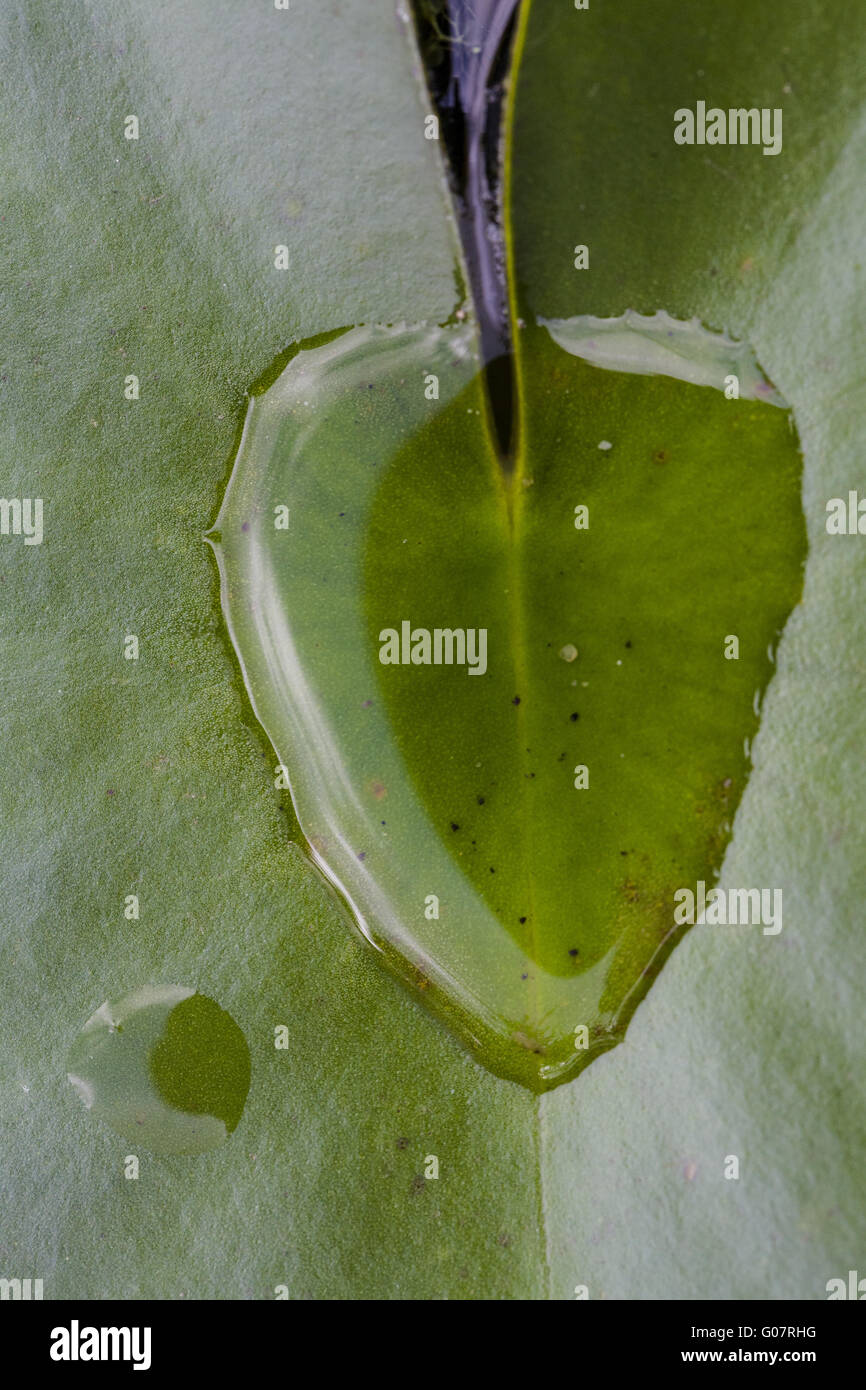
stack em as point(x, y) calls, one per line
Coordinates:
point(366, 704)
point(492, 870)
point(363, 854)
point(454, 825)
point(574, 951)
point(516, 700)
point(574, 717)
point(524, 977)
point(628, 644)
point(521, 920)
point(481, 801)
point(245, 526)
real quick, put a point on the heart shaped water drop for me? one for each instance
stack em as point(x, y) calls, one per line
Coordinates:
point(515, 708)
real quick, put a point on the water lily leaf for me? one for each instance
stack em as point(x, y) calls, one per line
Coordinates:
point(303, 127)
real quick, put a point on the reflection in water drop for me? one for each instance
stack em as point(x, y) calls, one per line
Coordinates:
point(165, 1067)
point(465, 48)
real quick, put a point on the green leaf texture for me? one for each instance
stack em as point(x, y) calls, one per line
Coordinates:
point(305, 128)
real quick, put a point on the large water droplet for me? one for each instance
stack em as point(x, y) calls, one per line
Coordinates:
point(522, 899)
point(164, 1066)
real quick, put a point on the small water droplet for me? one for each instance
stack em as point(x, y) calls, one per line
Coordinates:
point(656, 344)
point(166, 1067)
